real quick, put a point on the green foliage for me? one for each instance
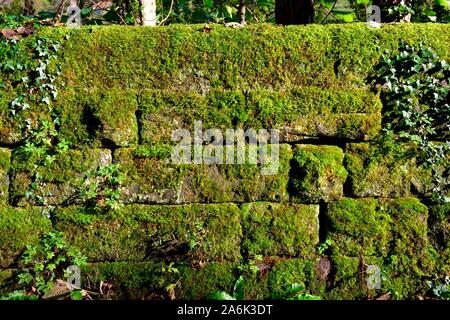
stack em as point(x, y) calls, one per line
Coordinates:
point(296, 291)
point(415, 86)
point(217, 11)
point(8, 20)
point(237, 294)
point(400, 10)
point(101, 187)
point(27, 73)
point(41, 265)
point(440, 289)
point(325, 246)
point(19, 295)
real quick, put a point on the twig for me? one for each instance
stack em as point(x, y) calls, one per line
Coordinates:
point(329, 12)
point(253, 15)
point(168, 15)
point(59, 11)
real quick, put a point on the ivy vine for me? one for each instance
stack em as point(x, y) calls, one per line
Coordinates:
point(415, 86)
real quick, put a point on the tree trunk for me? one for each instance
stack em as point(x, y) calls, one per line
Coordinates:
point(149, 12)
point(294, 11)
point(241, 12)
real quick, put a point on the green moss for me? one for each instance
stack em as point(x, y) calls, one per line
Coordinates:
point(184, 57)
point(91, 116)
point(309, 111)
point(394, 233)
point(198, 283)
point(18, 228)
point(359, 227)
point(272, 229)
point(150, 179)
point(129, 280)
point(5, 162)
point(147, 280)
point(386, 169)
point(78, 125)
point(411, 252)
point(351, 278)
point(294, 271)
point(60, 178)
point(116, 112)
point(159, 150)
point(137, 232)
point(439, 225)
point(317, 173)
point(7, 284)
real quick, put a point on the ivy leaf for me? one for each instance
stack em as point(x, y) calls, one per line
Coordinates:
point(238, 290)
point(220, 295)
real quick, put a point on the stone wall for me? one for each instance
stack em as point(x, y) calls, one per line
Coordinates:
point(122, 93)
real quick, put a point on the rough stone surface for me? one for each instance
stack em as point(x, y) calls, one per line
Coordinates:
point(18, 228)
point(61, 180)
point(139, 232)
point(152, 179)
point(5, 163)
point(272, 229)
point(317, 173)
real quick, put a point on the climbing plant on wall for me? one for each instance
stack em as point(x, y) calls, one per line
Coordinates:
point(416, 96)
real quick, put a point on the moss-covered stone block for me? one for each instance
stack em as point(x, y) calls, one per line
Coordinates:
point(116, 112)
point(162, 112)
point(129, 280)
point(182, 57)
point(316, 112)
point(199, 283)
point(59, 180)
point(18, 228)
point(391, 232)
point(297, 114)
point(276, 276)
point(192, 60)
point(411, 252)
point(317, 173)
point(376, 170)
point(5, 163)
point(301, 271)
point(358, 227)
point(439, 225)
point(6, 281)
point(95, 117)
point(79, 125)
point(148, 280)
point(136, 233)
point(352, 277)
point(154, 178)
point(280, 229)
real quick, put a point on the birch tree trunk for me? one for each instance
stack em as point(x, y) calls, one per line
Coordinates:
point(241, 12)
point(149, 12)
